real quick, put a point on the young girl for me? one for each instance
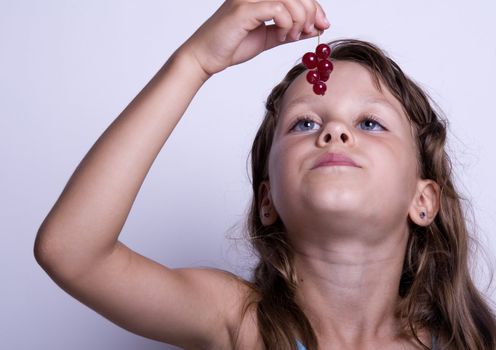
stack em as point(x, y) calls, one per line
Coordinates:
point(359, 229)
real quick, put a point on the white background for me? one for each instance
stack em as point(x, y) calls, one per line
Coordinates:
point(68, 68)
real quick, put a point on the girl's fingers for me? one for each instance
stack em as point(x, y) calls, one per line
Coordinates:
point(273, 38)
point(299, 16)
point(306, 20)
point(306, 15)
point(276, 10)
point(237, 32)
point(311, 8)
point(321, 21)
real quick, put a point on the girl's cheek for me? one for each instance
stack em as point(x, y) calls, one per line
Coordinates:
point(280, 161)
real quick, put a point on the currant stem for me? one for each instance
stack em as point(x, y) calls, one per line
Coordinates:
point(318, 39)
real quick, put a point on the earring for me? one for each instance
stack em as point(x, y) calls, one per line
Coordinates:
point(422, 214)
point(266, 214)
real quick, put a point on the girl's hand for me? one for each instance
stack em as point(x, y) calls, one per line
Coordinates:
point(237, 32)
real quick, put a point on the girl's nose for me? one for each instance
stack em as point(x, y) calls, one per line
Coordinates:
point(335, 133)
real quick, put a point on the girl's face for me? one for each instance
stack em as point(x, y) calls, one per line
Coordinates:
point(378, 192)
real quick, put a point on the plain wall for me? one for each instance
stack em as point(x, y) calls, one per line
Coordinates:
point(68, 68)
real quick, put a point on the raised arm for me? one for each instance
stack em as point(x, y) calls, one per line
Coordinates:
point(77, 244)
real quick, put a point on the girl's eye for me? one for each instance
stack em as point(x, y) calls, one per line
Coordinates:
point(369, 122)
point(304, 124)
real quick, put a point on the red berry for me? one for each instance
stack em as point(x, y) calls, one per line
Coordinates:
point(331, 67)
point(310, 60)
point(313, 76)
point(323, 51)
point(319, 88)
point(324, 66)
point(324, 76)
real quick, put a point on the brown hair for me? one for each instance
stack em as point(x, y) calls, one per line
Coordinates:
point(436, 289)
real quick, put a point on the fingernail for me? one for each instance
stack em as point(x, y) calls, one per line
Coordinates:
point(298, 36)
point(326, 21)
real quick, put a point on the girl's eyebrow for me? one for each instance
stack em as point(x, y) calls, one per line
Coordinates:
point(305, 99)
point(383, 102)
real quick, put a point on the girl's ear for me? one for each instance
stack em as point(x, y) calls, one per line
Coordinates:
point(425, 204)
point(267, 212)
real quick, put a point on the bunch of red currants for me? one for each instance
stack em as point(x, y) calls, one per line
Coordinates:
point(320, 67)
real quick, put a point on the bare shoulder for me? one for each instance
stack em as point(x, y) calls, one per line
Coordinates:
point(193, 308)
point(239, 301)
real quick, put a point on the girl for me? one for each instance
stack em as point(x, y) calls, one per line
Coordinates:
point(359, 229)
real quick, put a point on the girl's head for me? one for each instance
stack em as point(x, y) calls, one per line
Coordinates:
point(359, 118)
point(374, 114)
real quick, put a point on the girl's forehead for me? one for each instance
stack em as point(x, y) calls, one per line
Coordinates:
point(350, 84)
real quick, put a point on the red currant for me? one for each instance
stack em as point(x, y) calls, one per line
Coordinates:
point(324, 66)
point(319, 88)
point(310, 60)
point(313, 76)
point(323, 51)
point(331, 67)
point(324, 76)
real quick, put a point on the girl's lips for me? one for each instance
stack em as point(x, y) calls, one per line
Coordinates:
point(331, 159)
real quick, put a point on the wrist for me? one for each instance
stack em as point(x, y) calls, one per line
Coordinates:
point(188, 60)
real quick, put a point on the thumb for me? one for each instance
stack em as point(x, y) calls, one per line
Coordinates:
point(274, 36)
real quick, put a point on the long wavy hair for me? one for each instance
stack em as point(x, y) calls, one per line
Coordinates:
point(436, 290)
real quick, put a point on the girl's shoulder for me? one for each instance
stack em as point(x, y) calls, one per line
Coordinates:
point(238, 311)
point(187, 307)
point(242, 320)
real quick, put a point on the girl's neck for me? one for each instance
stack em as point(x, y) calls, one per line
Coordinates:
point(349, 291)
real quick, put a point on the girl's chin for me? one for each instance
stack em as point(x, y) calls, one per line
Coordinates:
point(338, 198)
